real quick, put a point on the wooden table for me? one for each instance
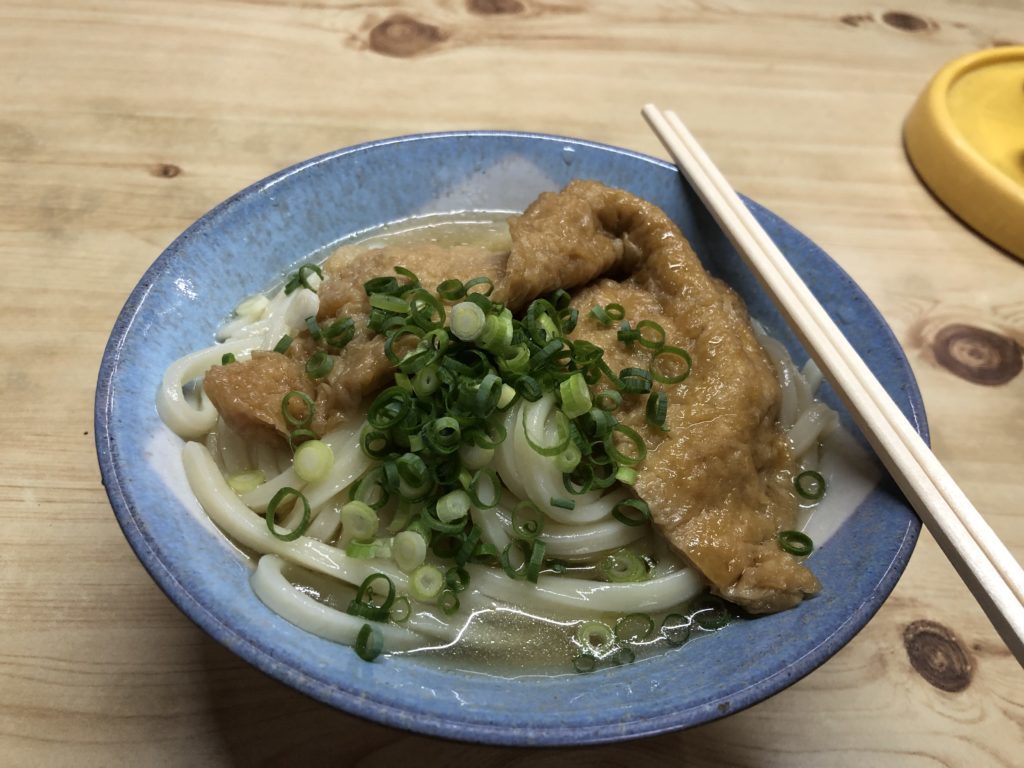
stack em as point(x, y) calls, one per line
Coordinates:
point(121, 122)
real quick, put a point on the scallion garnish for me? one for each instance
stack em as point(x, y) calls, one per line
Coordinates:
point(227, 359)
point(710, 612)
point(283, 343)
point(301, 277)
point(274, 505)
point(369, 643)
point(632, 512)
point(657, 410)
point(810, 485)
point(426, 583)
point(313, 459)
point(634, 628)
point(584, 663)
point(676, 628)
point(448, 602)
point(623, 566)
point(671, 356)
point(795, 543)
point(319, 364)
point(359, 520)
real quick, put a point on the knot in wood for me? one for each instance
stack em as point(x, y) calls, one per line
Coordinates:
point(165, 170)
point(906, 22)
point(495, 7)
point(977, 355)
point(937, 655)
point(403, 36)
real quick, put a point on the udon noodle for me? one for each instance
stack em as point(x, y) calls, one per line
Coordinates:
point(603, 589)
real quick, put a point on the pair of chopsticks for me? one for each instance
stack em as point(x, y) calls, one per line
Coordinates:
point(984, 563)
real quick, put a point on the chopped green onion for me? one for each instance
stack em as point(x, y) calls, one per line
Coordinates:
point(426, 583)
point(656, 340)
point(623, 566)
point(506, 397)
point(432, 522)
point(451, 290)
point(389, 408)
point(448, 602)
point(632, 436)
point(390, 303)
point(409, 550)
point(515, 569)
point(563, 503)
point(601, 315)
point(481, 280)
point(575, 395)
point(426, 382)
point(595, 637)
point(676, 628)
point(810, 485)
point(369, 643)
point(319, 364)
point(453, 506)
point(467, 321)
point(615, 311)
point(657, 410)
point(624, 655)
point(636, 381)
point(272, 508)
point(626, 333)
point(368, 549)
point(401, 609)
point(711, 612)
point(286, 410)
point(626, 475)
point(313, 460)
point(375, 443)
point(283, 344)
point(244, 482)
point(632, 512)
point(568, 459)
point(314, 328)
point(608, 400)
point(364, 595)
point(795, 543)
point(584, 663)
point(456, 578)
point(668, 353)
point(634, 628)
point(444, 434)
point(227, 358)
point(340, 332)
point(359, 520)
point(527, 520)
point(491, 496)
point(298, 436)
point(301, 277)
point(536, 560)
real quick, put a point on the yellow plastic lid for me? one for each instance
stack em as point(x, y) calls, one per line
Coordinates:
point(965, 138)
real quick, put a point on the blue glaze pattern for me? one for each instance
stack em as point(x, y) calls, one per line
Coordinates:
point(241, 245)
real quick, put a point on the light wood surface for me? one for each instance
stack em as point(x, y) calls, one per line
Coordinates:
point(122, 122)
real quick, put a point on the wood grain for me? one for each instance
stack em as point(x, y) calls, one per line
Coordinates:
point(121, 122)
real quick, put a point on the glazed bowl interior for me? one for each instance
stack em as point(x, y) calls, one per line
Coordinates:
point(241, 246)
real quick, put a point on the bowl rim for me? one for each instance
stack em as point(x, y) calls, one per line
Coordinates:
point(426, 722)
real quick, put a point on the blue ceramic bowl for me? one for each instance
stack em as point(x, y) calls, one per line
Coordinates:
point(239, 246)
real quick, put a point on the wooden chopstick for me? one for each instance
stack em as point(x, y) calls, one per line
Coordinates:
point(979, 556)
